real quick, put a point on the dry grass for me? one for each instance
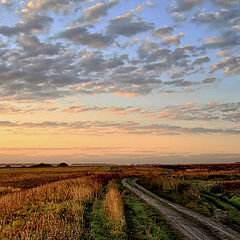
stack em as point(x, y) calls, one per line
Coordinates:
point(224, 186)
point(113, 203)
point(14, 179)
point(50, 203)
point(27, 180)
point(50, 211)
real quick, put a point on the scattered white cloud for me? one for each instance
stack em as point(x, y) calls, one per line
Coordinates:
point(93, 14)
point(125, 25)
point(230, 65)
point(172, 40)
point(162, 31)
point(185, 5)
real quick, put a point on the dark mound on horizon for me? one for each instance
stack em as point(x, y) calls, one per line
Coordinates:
point(41, 165)
point(63, 165)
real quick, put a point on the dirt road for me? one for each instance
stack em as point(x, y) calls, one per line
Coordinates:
point(192, 225)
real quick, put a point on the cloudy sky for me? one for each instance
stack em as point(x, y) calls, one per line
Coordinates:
point(120, 81)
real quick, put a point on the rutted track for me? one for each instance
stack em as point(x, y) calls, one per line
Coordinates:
point(192, 225)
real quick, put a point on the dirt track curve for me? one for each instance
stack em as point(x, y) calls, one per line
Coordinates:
point(192, 225)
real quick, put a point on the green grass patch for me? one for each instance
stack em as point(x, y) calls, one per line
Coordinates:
point(232, 199)
point(98, 221)
point(130, 182)
point(235, 201)
point(143, 222)
point(233, 214)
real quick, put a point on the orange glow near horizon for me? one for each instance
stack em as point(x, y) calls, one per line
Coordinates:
point(56, 142)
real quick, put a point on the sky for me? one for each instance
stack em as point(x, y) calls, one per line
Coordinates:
point(120, 81)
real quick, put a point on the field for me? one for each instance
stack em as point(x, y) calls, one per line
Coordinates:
point(91, 203)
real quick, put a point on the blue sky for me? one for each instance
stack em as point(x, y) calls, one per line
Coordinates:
point(99, 72)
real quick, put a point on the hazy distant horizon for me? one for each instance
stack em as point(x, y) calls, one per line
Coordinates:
point(197, 159)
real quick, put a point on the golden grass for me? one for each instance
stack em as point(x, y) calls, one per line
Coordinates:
point(25, 178)
point(113, 203)
point(47, 211)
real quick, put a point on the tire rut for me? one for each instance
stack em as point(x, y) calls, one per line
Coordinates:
point(192, 225)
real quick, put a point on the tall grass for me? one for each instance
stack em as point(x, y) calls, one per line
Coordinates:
point(51, 211)
point(113, 205)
